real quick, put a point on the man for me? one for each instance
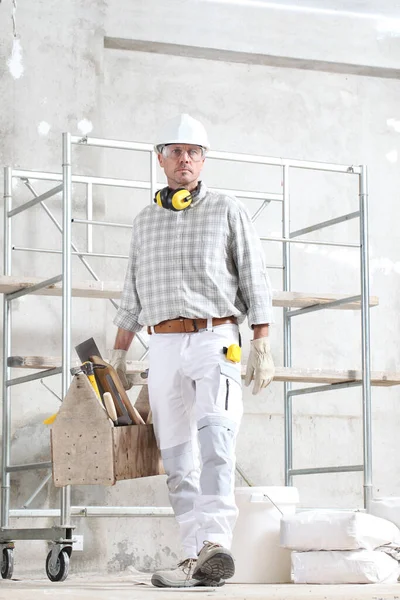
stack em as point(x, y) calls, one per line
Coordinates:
point(196, 270)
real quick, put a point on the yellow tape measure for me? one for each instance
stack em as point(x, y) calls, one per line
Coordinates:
point(233, 353)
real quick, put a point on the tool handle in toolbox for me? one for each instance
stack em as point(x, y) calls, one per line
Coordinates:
point(102, 375)
point(107, 385)
point(110, 406)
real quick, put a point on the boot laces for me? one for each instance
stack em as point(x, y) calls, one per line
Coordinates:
point(187, 566)
point(210, 545)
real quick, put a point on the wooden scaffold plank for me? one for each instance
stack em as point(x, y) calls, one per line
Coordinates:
point(113, 290)
point(295, 375)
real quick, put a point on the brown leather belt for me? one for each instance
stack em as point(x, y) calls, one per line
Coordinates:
point(182, 325)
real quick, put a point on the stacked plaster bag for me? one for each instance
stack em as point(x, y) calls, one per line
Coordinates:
point(387, 508)
point(341, 547)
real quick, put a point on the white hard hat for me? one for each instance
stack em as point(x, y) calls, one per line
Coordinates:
point(182, 129)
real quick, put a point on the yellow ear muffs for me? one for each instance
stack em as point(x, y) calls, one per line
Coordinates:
point(158, 199)
point(181, 199)
point(173, 199)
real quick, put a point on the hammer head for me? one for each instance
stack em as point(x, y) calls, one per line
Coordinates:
point(75, 370)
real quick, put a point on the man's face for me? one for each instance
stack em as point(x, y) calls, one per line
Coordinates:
point(182, 164)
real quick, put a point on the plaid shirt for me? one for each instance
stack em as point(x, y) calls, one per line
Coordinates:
point(201, 262)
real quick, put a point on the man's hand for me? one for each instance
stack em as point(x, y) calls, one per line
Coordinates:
point(118, 361)
point(260, 365)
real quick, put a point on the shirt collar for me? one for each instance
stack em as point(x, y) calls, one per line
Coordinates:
point(200, 195)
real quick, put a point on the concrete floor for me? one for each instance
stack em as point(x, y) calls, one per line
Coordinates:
point(121, 587)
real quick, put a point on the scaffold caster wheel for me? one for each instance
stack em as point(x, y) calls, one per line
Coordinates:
point(7, 563)
point(61, 570)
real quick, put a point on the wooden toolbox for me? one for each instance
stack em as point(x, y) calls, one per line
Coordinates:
point(87, 449)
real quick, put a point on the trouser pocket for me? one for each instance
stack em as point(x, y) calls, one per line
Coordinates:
point(229, 401)
point(227, 394)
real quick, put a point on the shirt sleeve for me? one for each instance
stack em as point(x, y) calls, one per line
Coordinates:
point(129, 310)
point(254, 284)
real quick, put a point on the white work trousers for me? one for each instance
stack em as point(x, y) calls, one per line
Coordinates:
point(196, 398)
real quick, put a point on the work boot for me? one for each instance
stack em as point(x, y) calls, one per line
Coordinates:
point(214, 564)
point(180, 576)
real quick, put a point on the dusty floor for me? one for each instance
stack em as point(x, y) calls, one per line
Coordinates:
point(123, 587)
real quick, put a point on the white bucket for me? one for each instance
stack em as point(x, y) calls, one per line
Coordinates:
point(258, 555)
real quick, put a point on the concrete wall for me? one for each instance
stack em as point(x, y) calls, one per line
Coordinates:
point(274, 83)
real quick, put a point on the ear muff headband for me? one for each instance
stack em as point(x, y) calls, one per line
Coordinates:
point(173, 199)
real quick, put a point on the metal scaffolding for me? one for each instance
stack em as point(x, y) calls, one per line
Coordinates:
point(362, 214)
point(62, 535)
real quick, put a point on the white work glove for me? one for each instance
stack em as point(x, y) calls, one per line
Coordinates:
point(260, 365)
point(118, 361)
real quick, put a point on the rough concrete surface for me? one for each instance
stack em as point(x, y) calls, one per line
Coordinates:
point(95, 587)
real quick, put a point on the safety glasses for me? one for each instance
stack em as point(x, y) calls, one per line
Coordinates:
point(195, 153)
